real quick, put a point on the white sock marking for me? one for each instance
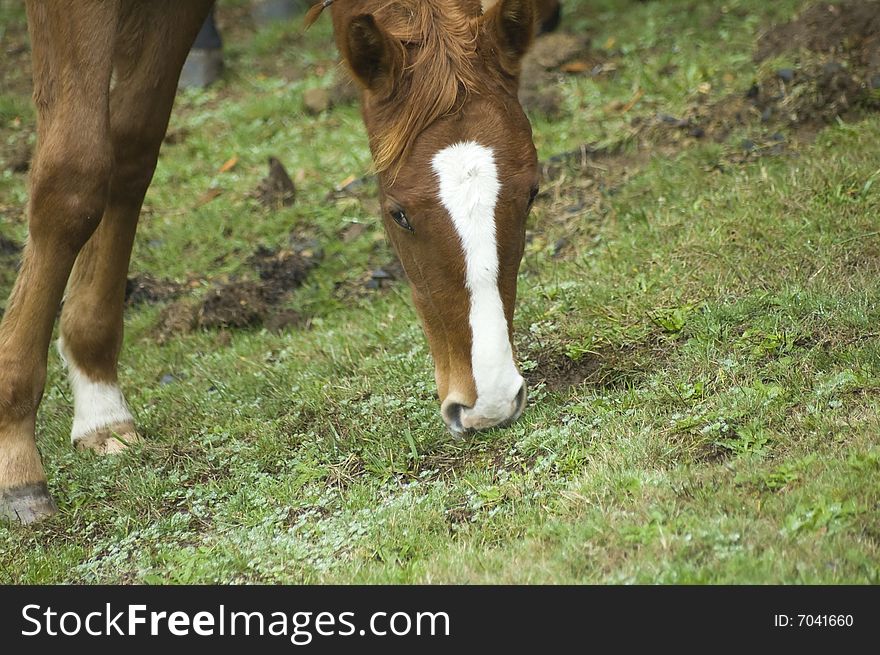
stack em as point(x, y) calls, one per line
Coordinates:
point(469, 189)
point(96, 405)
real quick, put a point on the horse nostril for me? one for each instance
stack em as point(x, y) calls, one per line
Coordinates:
point(463, 419)
point(452, 417)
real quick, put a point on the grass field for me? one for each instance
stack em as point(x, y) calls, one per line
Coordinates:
point(699, 321)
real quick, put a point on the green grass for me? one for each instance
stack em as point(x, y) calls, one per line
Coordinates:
point(729, 436)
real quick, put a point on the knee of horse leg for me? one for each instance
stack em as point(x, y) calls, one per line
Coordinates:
point(69, 188)
point(91, 321)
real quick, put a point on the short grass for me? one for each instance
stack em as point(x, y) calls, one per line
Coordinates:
point(732, 436)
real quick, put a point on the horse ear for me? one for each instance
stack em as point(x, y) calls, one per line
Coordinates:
point(373, 56)
point(512, 25)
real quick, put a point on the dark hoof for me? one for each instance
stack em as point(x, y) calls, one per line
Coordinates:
point(201, 69)
point(27, 504)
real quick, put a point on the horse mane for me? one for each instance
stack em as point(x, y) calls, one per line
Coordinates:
point(439, 39)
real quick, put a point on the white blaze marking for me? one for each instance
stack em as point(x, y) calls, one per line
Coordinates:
point(469, 189)
point(96, 405)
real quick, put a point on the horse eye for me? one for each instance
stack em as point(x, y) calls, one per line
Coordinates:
point(399, 217)
point(532, 195)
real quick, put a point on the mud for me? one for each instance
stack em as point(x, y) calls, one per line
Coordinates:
point(245, 303)
point(233, 305)
point(145, 289)
point(786, 105)
point(283, 270)
point(180, 317)
point(836, 76)
point(850, 28)
point(611, 367)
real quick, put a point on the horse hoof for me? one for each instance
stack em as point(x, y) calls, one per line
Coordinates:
point(110, 440)
point(27, 504)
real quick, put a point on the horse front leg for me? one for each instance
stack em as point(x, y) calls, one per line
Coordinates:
point(72, 46)
point(91, 321)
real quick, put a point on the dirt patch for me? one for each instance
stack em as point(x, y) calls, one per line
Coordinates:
point(145, 289)
point(851, 27)
point(246, 303)
point(838, 77)
point(233, 305)
point(284, 269)
point(711, 452)
point(842, 78)
point(611, 367)
point(803, 100)
point(459, 515)
point(561, 373)
point(606, 165)
point(179, 317)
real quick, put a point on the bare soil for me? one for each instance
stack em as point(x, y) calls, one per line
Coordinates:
point(241, 303)
point(606, 368)
point(850, 28)
point(836, 75)
point(145, 289)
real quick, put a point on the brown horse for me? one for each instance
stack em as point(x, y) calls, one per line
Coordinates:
point(456, 166)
